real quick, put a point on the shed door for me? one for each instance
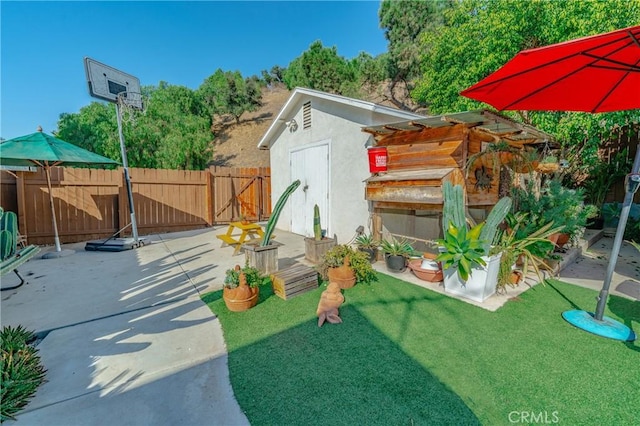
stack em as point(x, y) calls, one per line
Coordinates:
point(311, 166)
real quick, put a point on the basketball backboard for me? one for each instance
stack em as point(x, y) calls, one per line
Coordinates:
point(106, 83)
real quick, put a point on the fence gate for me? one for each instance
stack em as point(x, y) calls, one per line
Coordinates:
point(240, 193)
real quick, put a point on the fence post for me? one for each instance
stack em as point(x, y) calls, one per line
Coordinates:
point(210, 197)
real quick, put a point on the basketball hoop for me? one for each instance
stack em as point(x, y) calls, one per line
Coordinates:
point(131, 105)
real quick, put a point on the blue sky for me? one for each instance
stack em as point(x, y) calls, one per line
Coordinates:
point(43, 45)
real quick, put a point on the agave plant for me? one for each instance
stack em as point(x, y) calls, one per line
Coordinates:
point(463, 249)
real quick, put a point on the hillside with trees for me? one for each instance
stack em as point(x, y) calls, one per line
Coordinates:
point(435, 50)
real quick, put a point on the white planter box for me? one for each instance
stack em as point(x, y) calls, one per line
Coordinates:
point(482, 281)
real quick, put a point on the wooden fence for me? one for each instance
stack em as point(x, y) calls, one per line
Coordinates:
point(93, 203)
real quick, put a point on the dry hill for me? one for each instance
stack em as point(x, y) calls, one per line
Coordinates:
point(235, 145)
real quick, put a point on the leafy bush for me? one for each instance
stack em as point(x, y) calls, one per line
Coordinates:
point(358, 260)
point(554, 203)
point(253, 276)
point(22, 371)
point(632, 230)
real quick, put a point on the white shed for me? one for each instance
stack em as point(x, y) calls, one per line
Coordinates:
point(317, 137)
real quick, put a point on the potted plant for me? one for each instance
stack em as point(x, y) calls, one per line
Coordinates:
point(555, 203)
point(346, 266)
point(264, 256)
point(316, 247)
point(521, 246)
point(548, 164)
point(469, 263)
point(396, 253)
point(426, 267)
point(602, 175)
point(241, 288)
point(368, 244)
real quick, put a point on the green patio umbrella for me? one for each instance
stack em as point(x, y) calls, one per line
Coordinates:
point(43, 150)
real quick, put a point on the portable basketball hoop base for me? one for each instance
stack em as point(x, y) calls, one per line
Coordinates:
point(115, 244)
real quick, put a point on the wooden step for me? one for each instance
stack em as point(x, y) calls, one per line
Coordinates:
point(293, 281)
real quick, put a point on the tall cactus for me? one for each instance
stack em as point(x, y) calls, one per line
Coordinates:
point(275, 214)
point(8, 234)
point(317, 229)
point(495, 218)
point(453, 212)
point(453, 209)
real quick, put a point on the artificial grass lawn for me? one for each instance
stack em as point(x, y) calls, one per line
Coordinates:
point(408, 355)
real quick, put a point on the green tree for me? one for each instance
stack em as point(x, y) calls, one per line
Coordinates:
point(371, 71)
point(173, 133)
point(321, 68)
point(229, 93)
point(404, 22)
point(479, 36)
point(273, 76)
point(93, 128)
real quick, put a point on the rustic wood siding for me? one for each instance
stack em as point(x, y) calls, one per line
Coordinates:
point(427, 155)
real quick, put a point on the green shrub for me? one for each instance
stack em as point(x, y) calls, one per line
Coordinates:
point(22, 371)
point(358, 260)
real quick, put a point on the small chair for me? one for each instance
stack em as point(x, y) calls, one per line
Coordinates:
point(10, 255)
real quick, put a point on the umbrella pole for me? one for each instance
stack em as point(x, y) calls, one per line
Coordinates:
point(598, 323)
point(617, 243)
point(53, 210)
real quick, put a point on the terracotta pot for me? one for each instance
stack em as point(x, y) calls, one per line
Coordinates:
point(343, 275)
point(559, 239)
point(425, 274)
point(505, 157)
point(515, 277)
point(240, 298)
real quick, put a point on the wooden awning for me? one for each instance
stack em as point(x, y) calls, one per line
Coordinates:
point(485, 121)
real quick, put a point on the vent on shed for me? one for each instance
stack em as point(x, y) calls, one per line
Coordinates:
point(306, 115)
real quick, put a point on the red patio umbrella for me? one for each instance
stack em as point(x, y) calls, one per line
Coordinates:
point(598, 73)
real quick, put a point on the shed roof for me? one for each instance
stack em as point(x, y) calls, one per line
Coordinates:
point(483, 120)
point(279, 123)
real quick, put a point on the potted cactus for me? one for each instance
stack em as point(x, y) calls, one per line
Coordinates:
point(241, 288)
point(468, 259)
point(315, 247)
point(264, 256)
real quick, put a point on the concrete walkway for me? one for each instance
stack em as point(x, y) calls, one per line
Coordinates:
point(127, 340)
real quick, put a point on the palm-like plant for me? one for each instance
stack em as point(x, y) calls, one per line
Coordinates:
point(463, 249)
point(396, 247)
point(531, 247)
point(366, 241)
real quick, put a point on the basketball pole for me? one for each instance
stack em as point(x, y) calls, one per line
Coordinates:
point(123, 151)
